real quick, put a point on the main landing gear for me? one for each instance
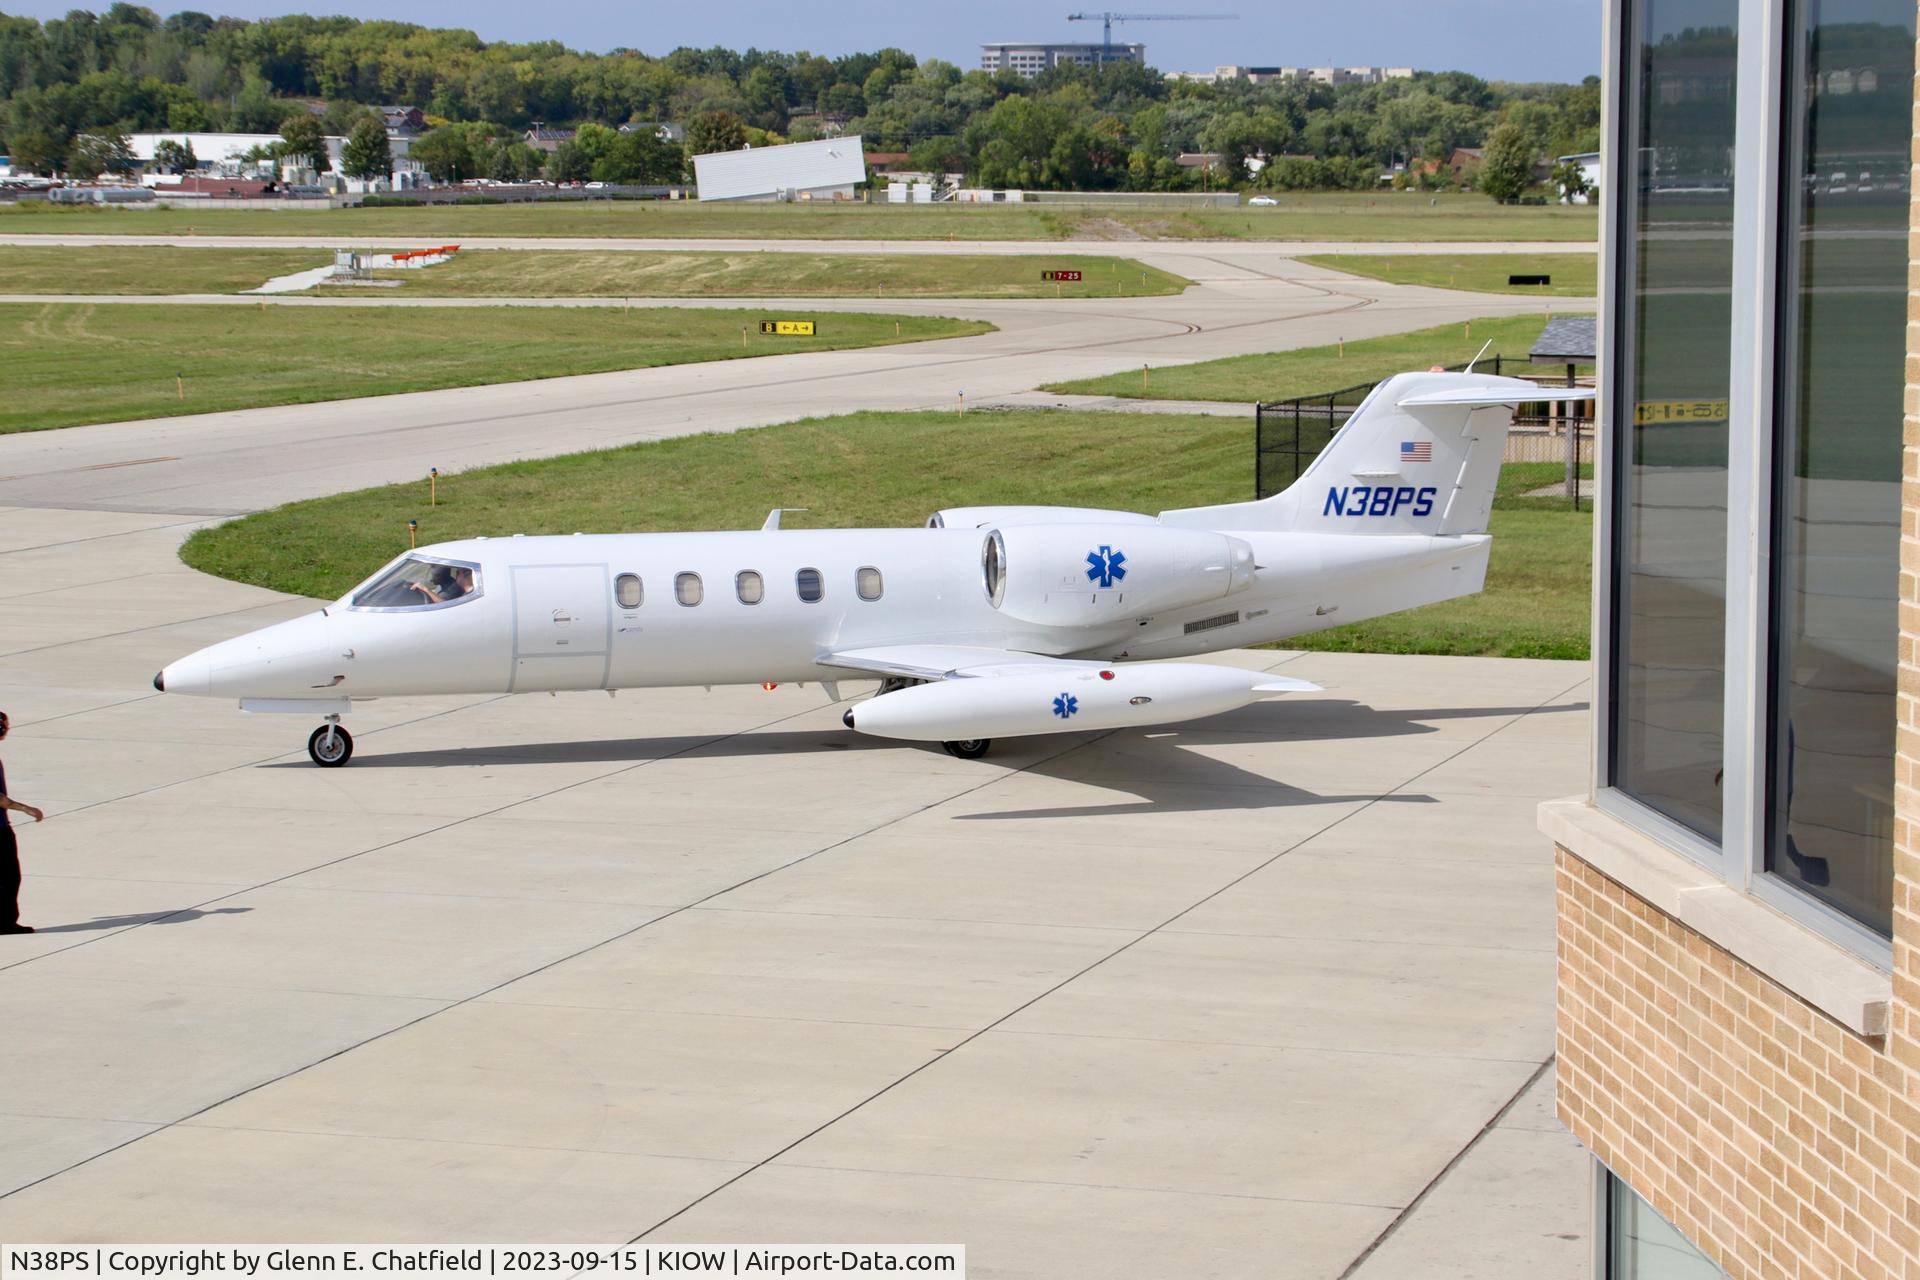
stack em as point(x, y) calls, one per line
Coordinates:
point(968, 748)
point(330, 745)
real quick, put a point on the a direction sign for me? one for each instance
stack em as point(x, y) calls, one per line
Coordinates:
point(788, 328)
point(1060, 275)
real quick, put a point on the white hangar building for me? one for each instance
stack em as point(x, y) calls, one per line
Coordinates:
point(826, 170)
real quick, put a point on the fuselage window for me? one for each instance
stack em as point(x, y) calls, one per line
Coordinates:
point(748, 586)
point(686, 588)
point(867, 583)
point(810, 585)
point(626, 591)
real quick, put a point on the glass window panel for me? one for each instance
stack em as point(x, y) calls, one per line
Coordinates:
point(687, 589)
point(867, 583)
point(417, 582)
point(1672, 352)
point(810, 585)
point(749, 587)
point(1641, 1245)
point(1841, 342)
point(627, 591)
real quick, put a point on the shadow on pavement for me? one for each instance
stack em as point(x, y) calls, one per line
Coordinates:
point(143, 917)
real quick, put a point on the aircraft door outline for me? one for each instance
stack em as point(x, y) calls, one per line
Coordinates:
point(562, 626)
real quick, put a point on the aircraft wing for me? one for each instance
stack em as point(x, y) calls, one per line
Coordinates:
point(963, 662)
point(950, 661)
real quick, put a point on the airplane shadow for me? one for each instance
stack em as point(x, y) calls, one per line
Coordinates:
point(139, 918)
point(1166, 780)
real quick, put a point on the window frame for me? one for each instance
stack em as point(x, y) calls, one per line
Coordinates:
point(739, 580)
point(473, 566)
point(699, 589)
point(879, 581)
point(640, 586)
point(819, 577)
point(1761, 100)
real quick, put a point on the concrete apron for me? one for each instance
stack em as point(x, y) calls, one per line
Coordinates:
point(1247, 997)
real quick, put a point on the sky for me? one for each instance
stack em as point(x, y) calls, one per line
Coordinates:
point(1498, 39)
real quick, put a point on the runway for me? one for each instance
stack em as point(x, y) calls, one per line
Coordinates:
point(1269, 995)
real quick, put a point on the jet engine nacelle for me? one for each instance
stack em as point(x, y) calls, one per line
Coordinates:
point(1050, 702)
point(1089, 574)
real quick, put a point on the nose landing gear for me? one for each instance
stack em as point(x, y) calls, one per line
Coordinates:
point(330, 746)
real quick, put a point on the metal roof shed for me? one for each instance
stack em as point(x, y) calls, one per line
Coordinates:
point(771, 173)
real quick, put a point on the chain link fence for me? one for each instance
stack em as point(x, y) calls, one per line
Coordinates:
point(1289, 434)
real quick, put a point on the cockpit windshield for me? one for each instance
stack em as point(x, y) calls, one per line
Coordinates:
point(419, 582)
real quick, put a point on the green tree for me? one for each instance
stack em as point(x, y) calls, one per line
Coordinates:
point(1570, 179)
point(175, 157)
point(446, 155)
point(1508, 170)
point(511, 160)
point(37, 152)
point(367, 154)
point(569, 164)
point(98, 152)
point(712, 131)
point(301, 141)
point(640, 156)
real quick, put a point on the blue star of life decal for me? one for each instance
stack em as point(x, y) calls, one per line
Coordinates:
point(1065, 705)
point(1106, 566)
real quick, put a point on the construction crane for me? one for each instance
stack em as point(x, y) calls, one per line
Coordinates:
point(1106, 21)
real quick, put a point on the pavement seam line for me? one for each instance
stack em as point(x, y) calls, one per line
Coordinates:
point(1458, 1157)
point(445, 1006)
point(1121, 949)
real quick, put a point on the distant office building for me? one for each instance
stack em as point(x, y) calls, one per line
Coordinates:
point(826, 170)
point(1319, 75)
point(1031, 59)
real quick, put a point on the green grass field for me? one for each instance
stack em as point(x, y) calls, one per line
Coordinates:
point(1575, 275)
point(892, 469)
point(1301, 216)
point(1279, 375)
point(143, 269)
point(569, 274)
point(72, 363)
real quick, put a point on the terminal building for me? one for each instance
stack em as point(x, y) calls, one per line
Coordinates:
point(1031, 59)
point(1739, 890)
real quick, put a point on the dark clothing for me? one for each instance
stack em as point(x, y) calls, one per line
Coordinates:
point(9, 878)
point(5, 821)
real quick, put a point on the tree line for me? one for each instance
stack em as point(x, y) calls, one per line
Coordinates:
point(66, 83)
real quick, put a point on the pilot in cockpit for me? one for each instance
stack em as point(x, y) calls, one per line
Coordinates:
point(446, 586)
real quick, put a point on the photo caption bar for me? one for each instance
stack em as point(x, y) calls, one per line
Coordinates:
point(465, 1261)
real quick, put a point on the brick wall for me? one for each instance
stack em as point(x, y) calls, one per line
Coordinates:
point(1776, 1140)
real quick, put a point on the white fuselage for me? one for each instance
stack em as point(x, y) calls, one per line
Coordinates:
point(553, 613)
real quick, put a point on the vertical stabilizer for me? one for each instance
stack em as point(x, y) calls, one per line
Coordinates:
point(1420, 455)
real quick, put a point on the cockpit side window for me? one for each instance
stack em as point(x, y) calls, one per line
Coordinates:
point(419, 582)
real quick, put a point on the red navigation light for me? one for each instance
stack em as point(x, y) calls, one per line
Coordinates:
point(1106, 675)
point(769, 685)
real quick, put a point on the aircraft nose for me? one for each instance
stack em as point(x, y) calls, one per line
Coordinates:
point(191, 674)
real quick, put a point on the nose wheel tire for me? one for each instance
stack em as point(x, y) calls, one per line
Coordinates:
point(968, 748)
point(330, 746)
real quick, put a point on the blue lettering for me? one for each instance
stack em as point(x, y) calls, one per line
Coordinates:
point(1336, 503)
point(1382, 499)
point(1363, 500)
point(1401, 497)
point(1424, 507)
point(1360, 492)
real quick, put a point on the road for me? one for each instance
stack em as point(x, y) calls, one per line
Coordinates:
point(1269, 995)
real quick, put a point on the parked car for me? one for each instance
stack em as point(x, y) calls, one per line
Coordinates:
point(1263, 200)
point(596, 186)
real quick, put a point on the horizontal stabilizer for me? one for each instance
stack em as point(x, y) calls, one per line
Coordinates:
point(1495, 395)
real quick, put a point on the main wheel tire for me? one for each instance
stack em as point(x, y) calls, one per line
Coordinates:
point(330, 755)
point(968, 748)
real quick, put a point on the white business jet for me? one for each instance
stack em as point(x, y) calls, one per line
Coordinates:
point(990, 622)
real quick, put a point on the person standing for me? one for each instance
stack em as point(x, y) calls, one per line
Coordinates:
point(10, 849)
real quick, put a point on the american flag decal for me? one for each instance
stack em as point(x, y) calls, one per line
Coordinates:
point(1416, 451)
